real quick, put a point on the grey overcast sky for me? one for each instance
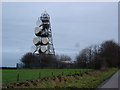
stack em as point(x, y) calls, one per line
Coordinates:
point(74, 26)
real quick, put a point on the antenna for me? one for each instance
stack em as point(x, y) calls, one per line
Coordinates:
point(43, 42)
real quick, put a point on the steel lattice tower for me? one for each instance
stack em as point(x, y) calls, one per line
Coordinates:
point(44, 41)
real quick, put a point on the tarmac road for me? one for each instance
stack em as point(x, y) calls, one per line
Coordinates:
point(113, 82)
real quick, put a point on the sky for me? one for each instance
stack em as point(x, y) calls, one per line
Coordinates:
point(74, 26)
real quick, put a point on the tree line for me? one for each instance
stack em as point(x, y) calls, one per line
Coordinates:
point(30, 60)
point(100, 56)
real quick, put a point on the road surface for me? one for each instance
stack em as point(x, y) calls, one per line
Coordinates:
point(113, 82)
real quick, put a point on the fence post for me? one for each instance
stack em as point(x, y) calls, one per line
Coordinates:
point(52, 74)
point(39, 75)
point(62, 73)
point(18, 77)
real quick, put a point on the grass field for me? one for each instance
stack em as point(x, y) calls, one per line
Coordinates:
point(87, 80)
point(10, 76)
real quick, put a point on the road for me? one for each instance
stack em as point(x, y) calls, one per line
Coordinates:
point(113, 82)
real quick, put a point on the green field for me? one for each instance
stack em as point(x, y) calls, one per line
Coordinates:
point(10, 76)
point(90, 80)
